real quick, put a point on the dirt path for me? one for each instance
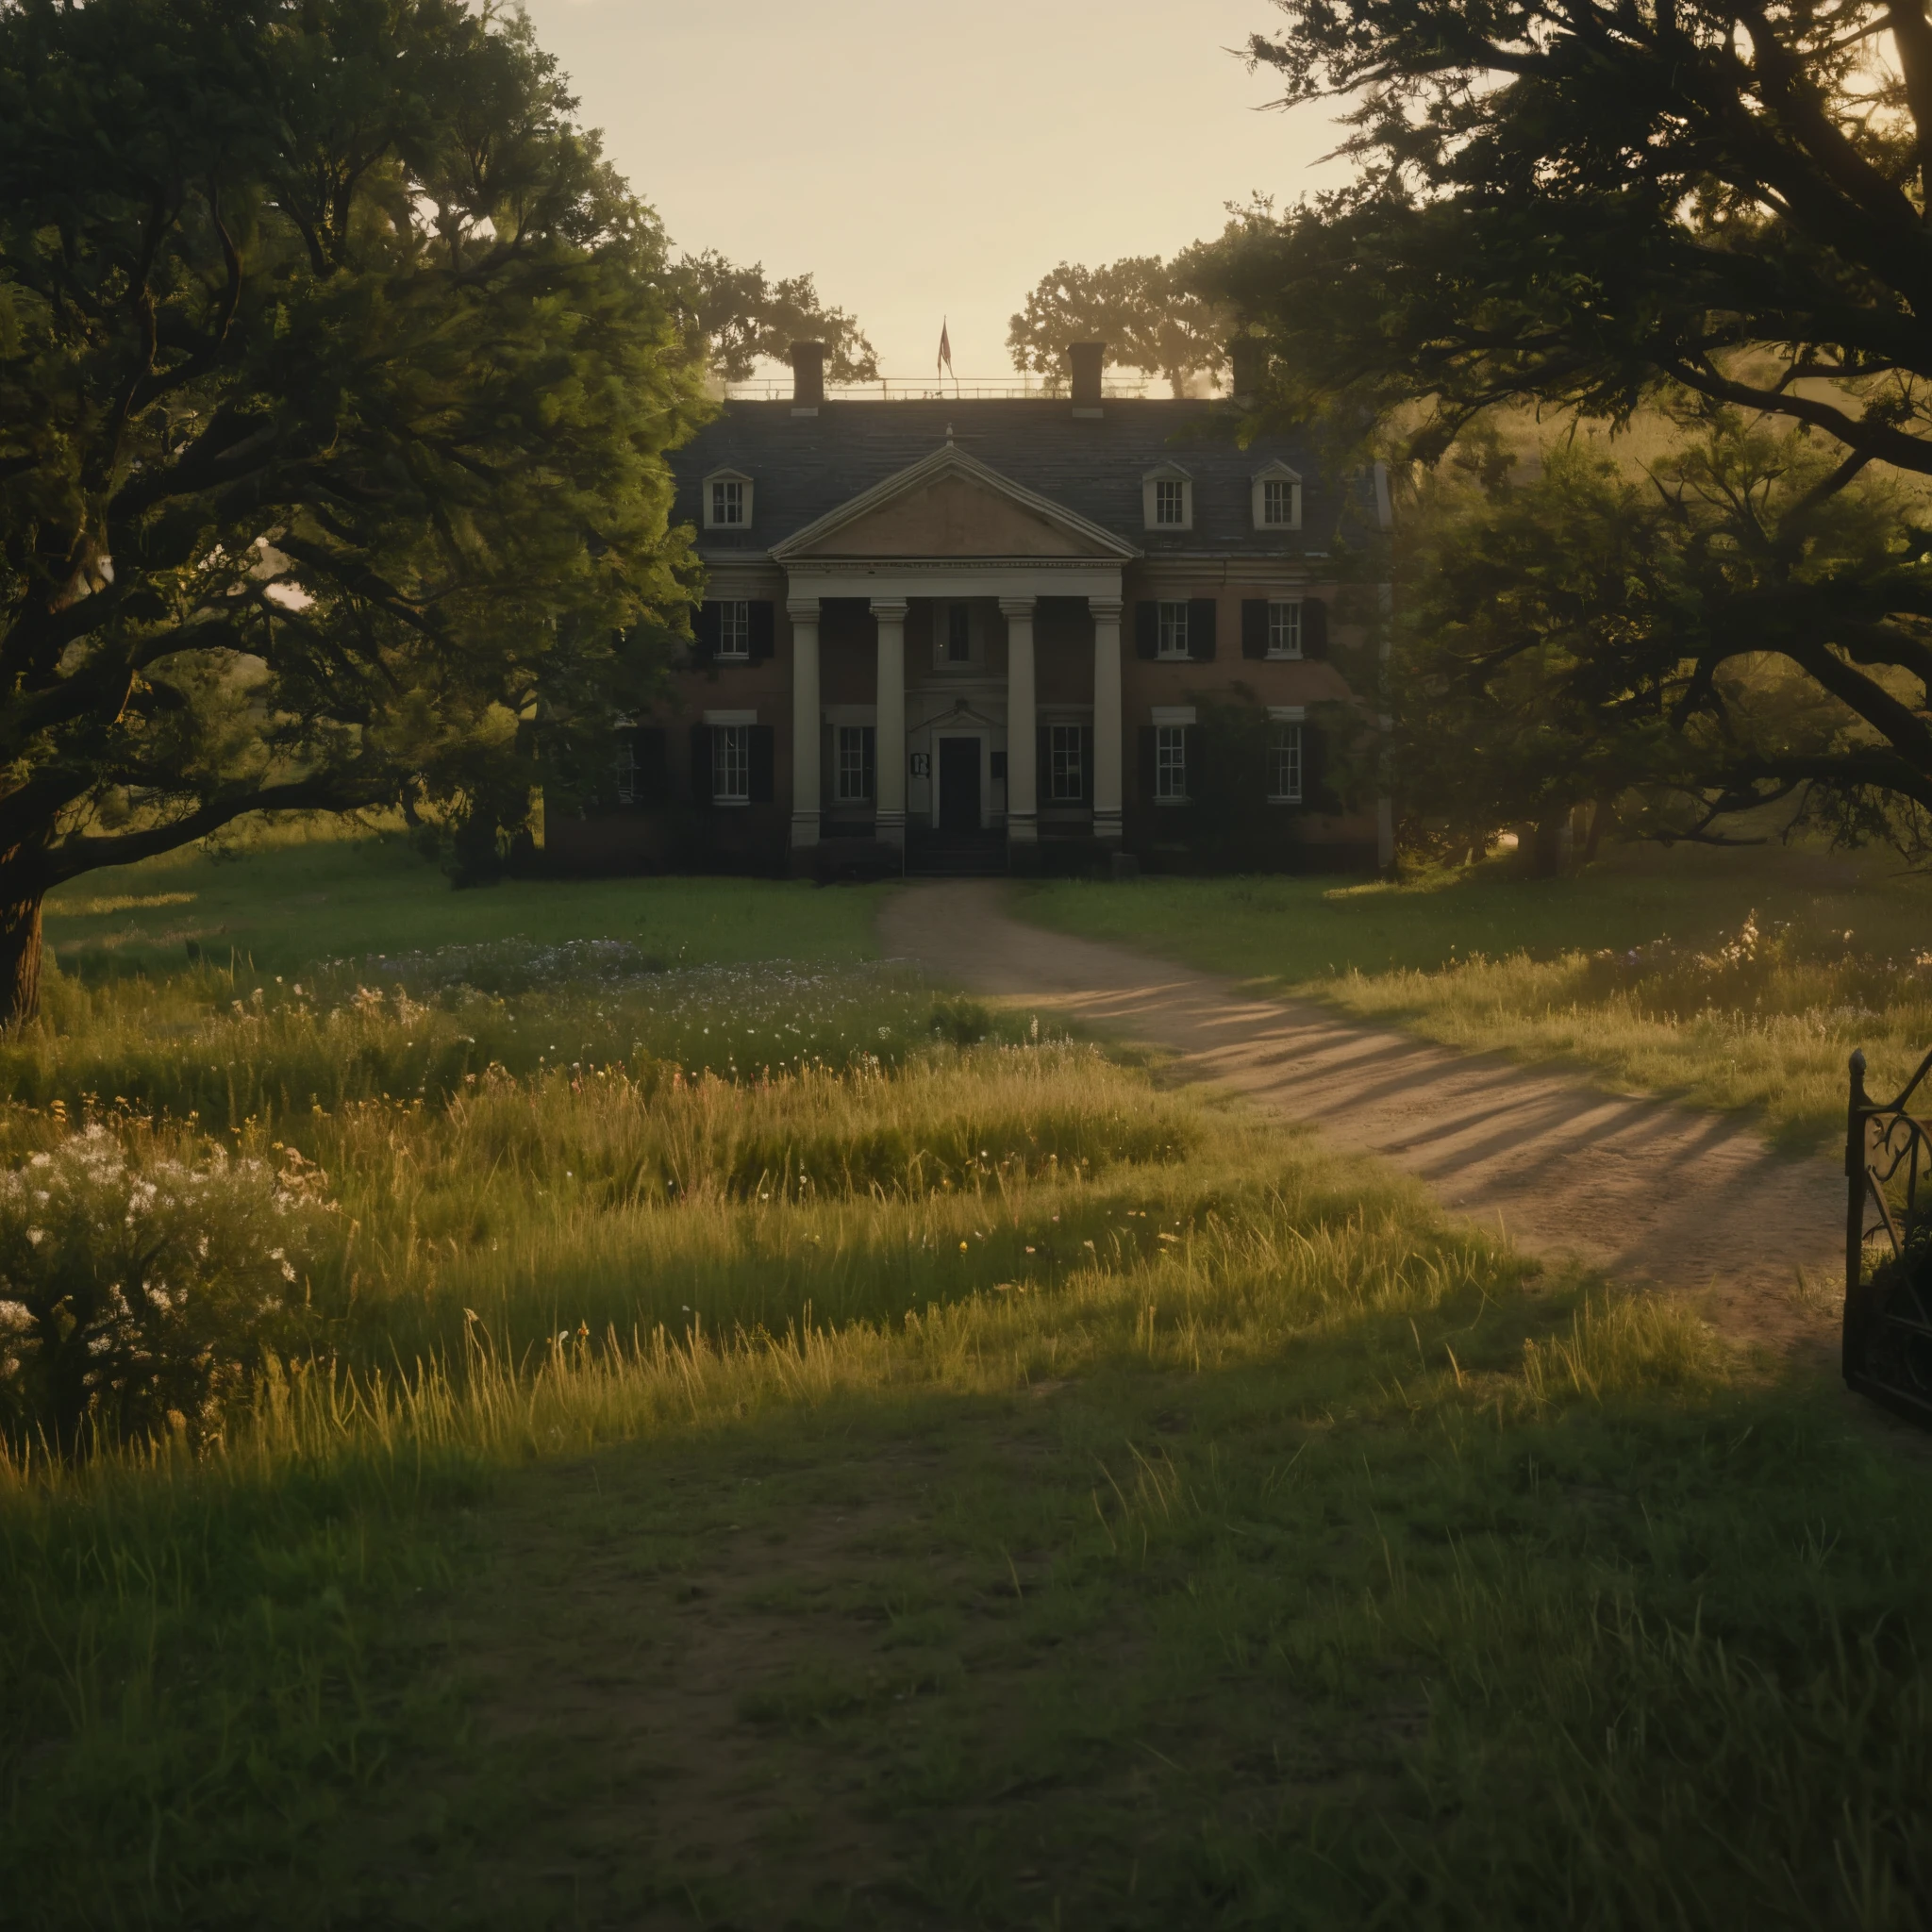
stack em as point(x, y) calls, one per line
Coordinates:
point(1693, 1203)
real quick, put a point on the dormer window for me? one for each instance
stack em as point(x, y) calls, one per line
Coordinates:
point(727, 501)
point(1277, 498)
point(1167, 498)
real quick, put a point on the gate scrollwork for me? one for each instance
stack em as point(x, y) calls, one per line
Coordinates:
point(1888, 1316)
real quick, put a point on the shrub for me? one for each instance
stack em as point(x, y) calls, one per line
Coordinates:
point(137, 1291)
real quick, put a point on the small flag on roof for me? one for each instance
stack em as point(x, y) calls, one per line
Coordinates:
point(945, 360)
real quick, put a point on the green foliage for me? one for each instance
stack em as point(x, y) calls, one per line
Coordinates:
point(1600, 628)
point(1506, 591)
point(1586, 204)
point(1146, 311)
point(742, 318)
point(335, 386)
point(1592, 208)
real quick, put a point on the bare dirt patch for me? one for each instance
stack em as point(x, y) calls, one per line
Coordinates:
point(1655, 1194)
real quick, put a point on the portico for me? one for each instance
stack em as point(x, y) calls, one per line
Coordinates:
point(955, 565)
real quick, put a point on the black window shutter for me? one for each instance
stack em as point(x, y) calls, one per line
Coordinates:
point(762, 626)
point(647, 770)
point(764, 749)
point(1042, 765)
point(1147, 780)
point(710, 628)
point(828, 764)
point(1315, 770)
point(869, 758)
point(1201, 629)
point(1315, 628)
point(1190, 755)
point(1254, 626)
point(701, 764)
point(1146, 628)
point(1087, 764)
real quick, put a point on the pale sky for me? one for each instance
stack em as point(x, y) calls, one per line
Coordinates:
point(929, 161)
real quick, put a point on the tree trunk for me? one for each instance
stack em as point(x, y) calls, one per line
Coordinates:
point(1547, 846)
point(1599, 823)
point(20, 959)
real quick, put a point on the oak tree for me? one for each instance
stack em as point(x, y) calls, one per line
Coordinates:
point(741, 316)
point(1596, 205)
point(337, 370)
point(1145, 309)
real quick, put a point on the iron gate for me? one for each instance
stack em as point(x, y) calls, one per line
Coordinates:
point(1887, 1320)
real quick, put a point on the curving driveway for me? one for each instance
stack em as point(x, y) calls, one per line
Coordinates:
point(1693, 1203)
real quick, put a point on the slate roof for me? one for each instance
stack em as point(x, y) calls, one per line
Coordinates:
point(802, 467)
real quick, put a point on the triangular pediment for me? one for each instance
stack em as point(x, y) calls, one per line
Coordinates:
point(951, 504)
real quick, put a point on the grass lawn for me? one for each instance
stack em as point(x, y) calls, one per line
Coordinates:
point(1735, 979)
point(913, 1473)
point(282, 902)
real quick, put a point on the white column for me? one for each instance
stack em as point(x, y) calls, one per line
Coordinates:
point(890, 743)
point(1105, 612)
point(1022, 807)
point(804, 612)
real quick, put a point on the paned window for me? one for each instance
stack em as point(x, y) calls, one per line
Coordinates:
point(731, 764)
point(626, 768)
point(1284, 764)
point(959, 634)
point(1174, 630)
point(1284, 628)
point(1170, 764)
point(1277, 502)
point(727, 504)
point(852, 781)
point(1170, 503)
point(734, 629)
point(1066, 772)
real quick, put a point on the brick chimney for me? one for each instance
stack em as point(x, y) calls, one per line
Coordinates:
point(1086, 358)
point(808, 377)
point(1248, 369)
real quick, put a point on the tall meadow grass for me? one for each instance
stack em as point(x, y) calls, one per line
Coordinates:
point(1765, 1020)
point(1649, 1610)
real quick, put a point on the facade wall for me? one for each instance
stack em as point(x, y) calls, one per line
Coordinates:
point(1296, 837)
point(947, 702)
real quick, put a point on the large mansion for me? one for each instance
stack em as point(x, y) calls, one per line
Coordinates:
point(983, 635)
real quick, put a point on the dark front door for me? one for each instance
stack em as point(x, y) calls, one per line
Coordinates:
point(958, 784)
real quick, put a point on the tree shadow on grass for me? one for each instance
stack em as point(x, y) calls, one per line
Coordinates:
point(1400, 1621)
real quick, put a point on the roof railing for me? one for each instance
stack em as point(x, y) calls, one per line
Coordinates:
point(927, 389)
